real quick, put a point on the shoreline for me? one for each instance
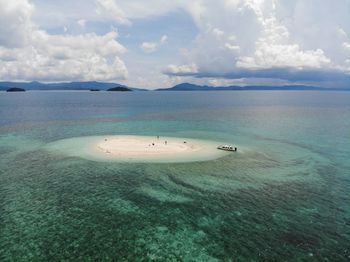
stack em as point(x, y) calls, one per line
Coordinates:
point(132, 148)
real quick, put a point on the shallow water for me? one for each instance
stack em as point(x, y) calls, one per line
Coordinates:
point(286, 198)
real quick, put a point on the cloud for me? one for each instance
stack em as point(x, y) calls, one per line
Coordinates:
point(150, 47)
point(15, 22)
point(233, 48)
point(110, 9)
point(266, 39)
point(81, 22)
point(274, 48)
point(58, 58)
point(181, 70)
point(346, 46)
point(163, 40)
point(33, 54)
point(124, 11)
point(279, 56)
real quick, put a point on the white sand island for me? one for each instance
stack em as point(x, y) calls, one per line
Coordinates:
point(127, 148)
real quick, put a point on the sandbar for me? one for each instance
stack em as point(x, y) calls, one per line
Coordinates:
point(132, 148)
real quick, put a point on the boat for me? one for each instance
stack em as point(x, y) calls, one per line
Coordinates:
point(227, 148)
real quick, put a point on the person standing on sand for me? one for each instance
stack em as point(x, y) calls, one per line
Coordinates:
point(166, 142)
point(158, 137)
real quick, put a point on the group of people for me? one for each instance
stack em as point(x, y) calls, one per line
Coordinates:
point(165, 142)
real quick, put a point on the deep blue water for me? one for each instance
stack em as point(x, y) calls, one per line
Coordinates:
point(287, 197)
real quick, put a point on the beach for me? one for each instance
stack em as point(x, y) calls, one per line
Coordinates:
point(132, 148)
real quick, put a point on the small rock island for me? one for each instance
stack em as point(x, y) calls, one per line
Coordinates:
point(120, 89)
point(15, 89)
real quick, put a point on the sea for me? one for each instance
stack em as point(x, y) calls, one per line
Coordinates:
point(284, 196)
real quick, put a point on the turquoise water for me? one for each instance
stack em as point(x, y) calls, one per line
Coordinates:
point(286, 198)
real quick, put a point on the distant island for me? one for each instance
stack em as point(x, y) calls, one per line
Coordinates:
point(119, 89)
point(78, 86)
point(103, 86)
point(15, 89)
point(194, 87)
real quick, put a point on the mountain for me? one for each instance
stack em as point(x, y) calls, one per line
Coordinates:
point(187, 87)
point(90, 85)
point(193, 87)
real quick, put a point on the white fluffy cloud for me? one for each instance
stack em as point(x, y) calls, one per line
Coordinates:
point(110, 9)
point(28, 53)
point(84, 57)
point(234, 34)
point(249, 35)
point(81, 22)
point(270, 56)
point(15, 22)
point(186, 69)
point(150, 47)
point(274, 48)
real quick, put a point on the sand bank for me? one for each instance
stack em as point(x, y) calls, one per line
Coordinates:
point(138, 148)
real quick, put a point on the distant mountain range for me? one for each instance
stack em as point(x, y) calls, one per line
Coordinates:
point(91, 85)
point(193, 87)
point(95, 86)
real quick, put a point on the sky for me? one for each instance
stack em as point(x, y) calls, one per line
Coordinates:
point(156, 43)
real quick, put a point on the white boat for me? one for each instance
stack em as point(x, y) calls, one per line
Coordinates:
point(227, 148)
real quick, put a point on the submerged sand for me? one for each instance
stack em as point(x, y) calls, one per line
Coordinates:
point(139, 148)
